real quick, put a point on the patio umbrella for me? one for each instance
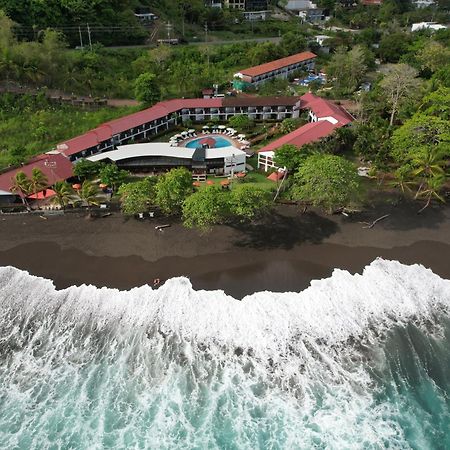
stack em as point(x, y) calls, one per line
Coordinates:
point(191, 131)
point(222, 127)
point(225, 182)
point(102, 186)
point(241, 136)
point(241, 175)
point(206, 127)
point(196, 184)
point(76, 186)
point(184, 133)
point(209, 141)
point(210, 183)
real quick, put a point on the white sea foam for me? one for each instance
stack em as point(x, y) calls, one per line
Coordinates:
point(179, 368)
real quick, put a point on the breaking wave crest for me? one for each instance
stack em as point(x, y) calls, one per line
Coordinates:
point(354, 361)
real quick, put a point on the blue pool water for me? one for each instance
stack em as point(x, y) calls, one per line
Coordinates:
point(220, 142)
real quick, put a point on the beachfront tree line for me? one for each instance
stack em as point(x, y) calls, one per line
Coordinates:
point(200, 207)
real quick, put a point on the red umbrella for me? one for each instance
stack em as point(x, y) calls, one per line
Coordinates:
point(210, 183)
point(103, 185)
point(209, 141)
point(225, 182)
point(241, 175)
point(196, 184)
point(76, 186)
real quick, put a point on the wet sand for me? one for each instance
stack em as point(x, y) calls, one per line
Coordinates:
point(281, 253)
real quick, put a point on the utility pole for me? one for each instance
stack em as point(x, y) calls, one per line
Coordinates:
point(89, 34)
point(81, 38)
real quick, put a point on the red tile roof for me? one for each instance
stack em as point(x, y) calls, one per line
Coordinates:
point(310, 132)
point(325, 108)
point(277, 64)
point(109, 129)
point(55, 166)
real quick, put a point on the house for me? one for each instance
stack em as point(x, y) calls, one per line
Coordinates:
point(281, 68)
point(256, 15)
point(235, 4)
point(312, 15)
point(300, 5)
point(54, 165)
point(256, 5)
point(427, 26)
point(423, 3)
point(160, 156)
point(324, 115)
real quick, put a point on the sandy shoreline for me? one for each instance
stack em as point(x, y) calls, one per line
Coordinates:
point(283, 253)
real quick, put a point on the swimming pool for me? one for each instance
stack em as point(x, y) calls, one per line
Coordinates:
point(219, 142)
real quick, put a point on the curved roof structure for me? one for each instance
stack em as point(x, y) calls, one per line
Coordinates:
point(156, 149)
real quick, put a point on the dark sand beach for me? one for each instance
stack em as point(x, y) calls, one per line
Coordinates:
point(282, 253)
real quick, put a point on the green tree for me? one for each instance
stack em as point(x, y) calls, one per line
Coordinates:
point(432, 190)
point(172, 189)
point(399, 84)
point(136, 197)
point(38, 180)
point(85, 169)
point(289, 156)
point(146, 88)
point(20, 184)
point(433, 56)
point(241, 122)
point(112, 176)
point(348, 68)
point(437, 103)
point(88, 195)
point(288, 125)
point(247, 201)
point(327, 181)
point(17, 155)
point(421, 135)
point(206, 207)
point(292, 43)
point(393, 46)
point(64, 194)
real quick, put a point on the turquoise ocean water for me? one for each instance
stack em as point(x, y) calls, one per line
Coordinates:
point(353, 362)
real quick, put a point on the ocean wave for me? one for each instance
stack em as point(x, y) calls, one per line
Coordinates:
point(89, 367)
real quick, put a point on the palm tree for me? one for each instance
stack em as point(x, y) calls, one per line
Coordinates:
point(428, 165)
point(64, 194)
point(434, 185)
point(38, 181)
point(403, 179)
point(89, 195)
point(21, 186)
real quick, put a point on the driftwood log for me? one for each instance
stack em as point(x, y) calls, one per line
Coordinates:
point(371, 225)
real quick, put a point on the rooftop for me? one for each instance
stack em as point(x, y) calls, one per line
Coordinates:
point(277, 64)
point(325, 108)
point(310, 132)
point(56, 167)
point(162, 149)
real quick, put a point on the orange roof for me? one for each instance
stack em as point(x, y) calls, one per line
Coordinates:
point(276, 176)
point(277, 64)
